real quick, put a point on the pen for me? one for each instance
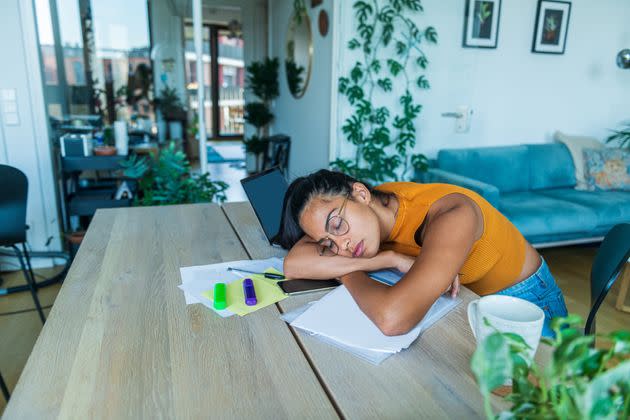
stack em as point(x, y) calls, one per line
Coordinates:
point(267, 275)
point(249, 292)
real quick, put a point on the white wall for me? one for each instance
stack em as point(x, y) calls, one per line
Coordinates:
point(305, 120)
point(517, 96)
point(25, 145)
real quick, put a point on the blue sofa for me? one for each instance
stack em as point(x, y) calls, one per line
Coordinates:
point(533, 186)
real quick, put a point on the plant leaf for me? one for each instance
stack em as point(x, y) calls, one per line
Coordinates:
point(394, 67)
point(385, 84)
point(431, 34)
point(353, 44)
point(423, 83)
point(491, 363)
point(422, 61)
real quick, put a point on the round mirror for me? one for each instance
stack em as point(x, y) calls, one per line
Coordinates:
point(299, 53)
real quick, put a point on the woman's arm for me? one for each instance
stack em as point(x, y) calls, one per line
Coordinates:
point(448, 239)
point(304, 261)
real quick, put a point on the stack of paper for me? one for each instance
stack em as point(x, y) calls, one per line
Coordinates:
point(338, 320)
point(198, 280)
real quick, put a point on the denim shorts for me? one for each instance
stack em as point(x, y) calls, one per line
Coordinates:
point(541, 290)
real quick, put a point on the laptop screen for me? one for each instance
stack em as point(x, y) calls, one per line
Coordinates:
point(266, 195)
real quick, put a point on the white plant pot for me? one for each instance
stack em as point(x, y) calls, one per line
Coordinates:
point(175, 130)
point(161, 127)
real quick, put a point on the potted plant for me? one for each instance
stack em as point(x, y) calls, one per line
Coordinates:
point(173, 111)
point(165, 178)
point(579, 381)
point(255, 147)
point(262, 81)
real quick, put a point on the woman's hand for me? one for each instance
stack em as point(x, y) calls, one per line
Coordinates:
point(454, 287)
point(402, 262)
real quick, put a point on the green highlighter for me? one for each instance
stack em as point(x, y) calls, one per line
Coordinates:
point(220, 298)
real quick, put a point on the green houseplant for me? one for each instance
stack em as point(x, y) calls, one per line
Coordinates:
point(170, 105)
point(166, 179)
point(391, 63)
point(173, 112)
point(262, 81)
point(579, 381)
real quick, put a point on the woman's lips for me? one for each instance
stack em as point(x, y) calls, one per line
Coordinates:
point(359, 249)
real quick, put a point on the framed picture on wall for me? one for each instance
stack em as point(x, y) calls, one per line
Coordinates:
point(552, 24)
point(481, 23)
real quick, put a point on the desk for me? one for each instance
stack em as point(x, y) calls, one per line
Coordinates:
point(121, 343)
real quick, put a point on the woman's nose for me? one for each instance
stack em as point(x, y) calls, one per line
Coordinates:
point(347, 241)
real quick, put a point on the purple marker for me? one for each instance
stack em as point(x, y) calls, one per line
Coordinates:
point(250, 292)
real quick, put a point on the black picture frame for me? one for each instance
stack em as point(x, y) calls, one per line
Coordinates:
point(550, 36)
point(481, 31)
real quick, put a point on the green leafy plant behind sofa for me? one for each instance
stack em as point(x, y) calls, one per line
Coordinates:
point(392, 63)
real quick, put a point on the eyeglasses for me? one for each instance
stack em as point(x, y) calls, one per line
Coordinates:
point(335, 225)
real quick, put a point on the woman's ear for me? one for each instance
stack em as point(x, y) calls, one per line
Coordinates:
point(361, 193)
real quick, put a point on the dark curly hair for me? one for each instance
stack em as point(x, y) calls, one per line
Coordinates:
point(305, 188)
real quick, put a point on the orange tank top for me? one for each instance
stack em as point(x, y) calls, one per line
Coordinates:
point(496, 258)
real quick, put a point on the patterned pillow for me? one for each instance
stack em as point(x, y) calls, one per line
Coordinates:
point(607, 169)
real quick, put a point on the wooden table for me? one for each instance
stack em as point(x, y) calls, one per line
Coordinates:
point(121, 343)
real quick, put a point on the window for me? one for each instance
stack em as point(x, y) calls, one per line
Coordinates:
point(224, 77)
point(95, 57)
point(122, 73)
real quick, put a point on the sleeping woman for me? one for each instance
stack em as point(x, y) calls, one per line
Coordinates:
point(439, 235)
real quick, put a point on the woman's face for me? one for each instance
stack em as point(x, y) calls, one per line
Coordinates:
point(320, 220)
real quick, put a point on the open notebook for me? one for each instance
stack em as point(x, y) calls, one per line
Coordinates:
point(338, 320)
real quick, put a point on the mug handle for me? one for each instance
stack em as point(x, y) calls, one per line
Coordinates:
point(472, 316)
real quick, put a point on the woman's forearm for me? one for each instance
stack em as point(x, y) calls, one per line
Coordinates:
point(304, 261)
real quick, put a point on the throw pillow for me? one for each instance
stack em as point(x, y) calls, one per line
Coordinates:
point(576, 146)
point(608, 169)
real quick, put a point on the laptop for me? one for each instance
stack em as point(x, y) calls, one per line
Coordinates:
point(265, 192)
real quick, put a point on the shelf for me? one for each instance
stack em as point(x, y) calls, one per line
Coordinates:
point(85, 203)
point(94, 163)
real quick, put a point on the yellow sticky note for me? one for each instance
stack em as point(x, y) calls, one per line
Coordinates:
point(267, 293)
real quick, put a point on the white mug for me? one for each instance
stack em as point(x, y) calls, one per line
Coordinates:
point(506, 314)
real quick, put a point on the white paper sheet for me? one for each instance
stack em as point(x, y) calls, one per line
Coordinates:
point(338, 317)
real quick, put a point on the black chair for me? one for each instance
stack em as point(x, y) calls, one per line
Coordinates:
point(5, 390)
point(610, 259)
point(13, 195)
point(277, 153)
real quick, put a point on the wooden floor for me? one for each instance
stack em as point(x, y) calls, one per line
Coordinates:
point(20, 325)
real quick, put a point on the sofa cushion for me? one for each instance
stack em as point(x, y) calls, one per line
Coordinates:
point(576, 146)
point(551, 166)
point(611, 207)
point(505, 167)
point(536, 214)
point(607, 169)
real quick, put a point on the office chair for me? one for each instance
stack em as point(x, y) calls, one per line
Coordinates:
point(13, 195)
point(609, 260)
